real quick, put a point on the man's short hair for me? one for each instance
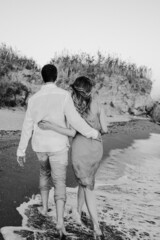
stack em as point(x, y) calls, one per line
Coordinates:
point(49, 73)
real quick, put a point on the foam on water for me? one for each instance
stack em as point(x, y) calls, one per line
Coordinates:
point(35, 226)
point(128, 199)
point(132, 178)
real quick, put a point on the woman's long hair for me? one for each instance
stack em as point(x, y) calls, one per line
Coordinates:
point(81, 94)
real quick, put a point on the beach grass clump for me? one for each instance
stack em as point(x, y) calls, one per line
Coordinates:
point(11, 60)
point(121, 86)
point(17, 73)
point(97, 67)
point(20, 77)
point(13, 93)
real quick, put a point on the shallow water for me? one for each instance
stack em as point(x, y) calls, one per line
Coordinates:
point(128, 199)
point(130, 179)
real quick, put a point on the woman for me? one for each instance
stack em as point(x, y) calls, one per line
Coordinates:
point(86, 153)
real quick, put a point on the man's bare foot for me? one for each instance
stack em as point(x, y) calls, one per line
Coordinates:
point(42, 211)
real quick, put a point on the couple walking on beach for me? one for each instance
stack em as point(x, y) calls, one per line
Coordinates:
point(52, 115)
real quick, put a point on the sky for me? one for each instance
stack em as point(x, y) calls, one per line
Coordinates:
point(128, 29)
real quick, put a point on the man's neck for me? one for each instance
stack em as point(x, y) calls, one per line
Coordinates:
point(50, 83)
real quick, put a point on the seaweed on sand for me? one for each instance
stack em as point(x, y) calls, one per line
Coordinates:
point(44, 227)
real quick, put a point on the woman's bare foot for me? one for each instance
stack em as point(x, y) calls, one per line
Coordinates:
point(97, 230)
point(42, 211)
point(76, 216)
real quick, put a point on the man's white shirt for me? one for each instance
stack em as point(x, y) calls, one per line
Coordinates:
point(52, 104)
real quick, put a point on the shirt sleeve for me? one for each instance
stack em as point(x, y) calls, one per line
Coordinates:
point(26, 133)
point(74, 118)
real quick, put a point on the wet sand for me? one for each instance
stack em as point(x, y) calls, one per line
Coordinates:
point(18, 185)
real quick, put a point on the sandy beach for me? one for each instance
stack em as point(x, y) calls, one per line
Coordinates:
point(18, 185)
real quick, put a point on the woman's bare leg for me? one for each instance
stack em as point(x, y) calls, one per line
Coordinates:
point(80, 199)
point(76, 214)
point(91, 206)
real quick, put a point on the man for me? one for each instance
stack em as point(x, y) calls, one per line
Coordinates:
point(51, 104)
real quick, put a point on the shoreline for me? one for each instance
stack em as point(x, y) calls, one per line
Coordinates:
point(11, 119)
point(18, 185)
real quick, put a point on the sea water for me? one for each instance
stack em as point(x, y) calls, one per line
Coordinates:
point(128, 198)
point(130, 180)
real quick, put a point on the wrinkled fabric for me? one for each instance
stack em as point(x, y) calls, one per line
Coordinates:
point(53, 168)
point(87, 153)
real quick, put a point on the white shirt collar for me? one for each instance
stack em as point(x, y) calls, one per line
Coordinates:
point(49, 85)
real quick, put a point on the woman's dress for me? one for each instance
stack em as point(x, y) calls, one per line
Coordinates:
point(86, 152)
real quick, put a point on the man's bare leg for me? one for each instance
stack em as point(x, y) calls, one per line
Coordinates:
point(58, 173)
point(60, 204)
